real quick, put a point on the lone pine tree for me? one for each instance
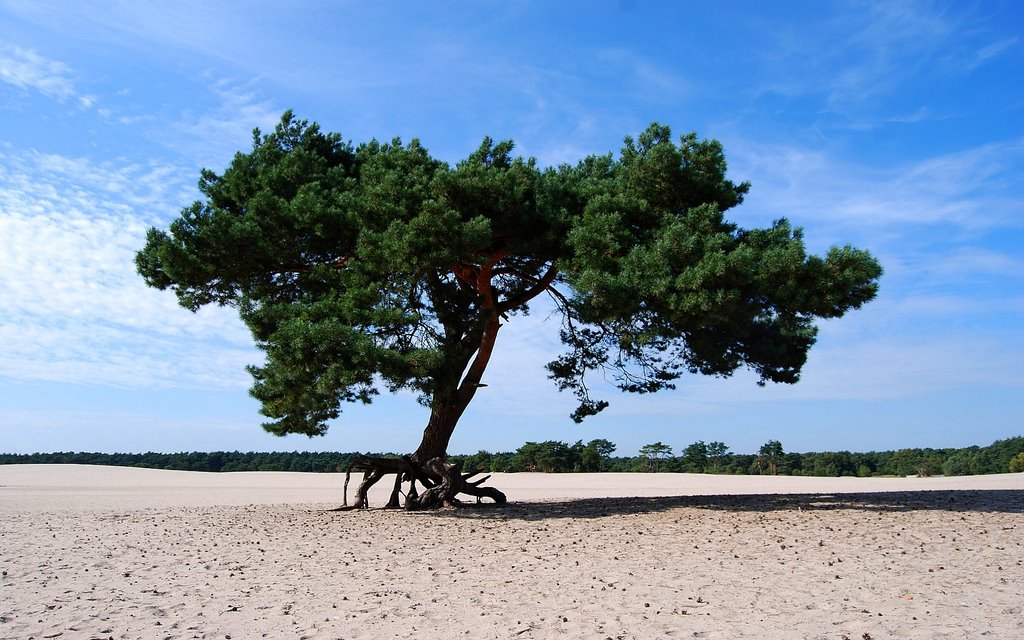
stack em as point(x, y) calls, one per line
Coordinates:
point(378, 265)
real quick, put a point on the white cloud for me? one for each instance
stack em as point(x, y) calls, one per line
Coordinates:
point(240, 110)
point(866, 53)
point(867, 356)
point(839, 369)
point(973, 261)
point(921, 115)
point(199, 27)
point(887, 42)
point(973, 189)
point(991, 51)
point(902, 366)
point(131, 120)
point(28, 70)
point(212, 138)
point(644, 73)
point(73, 308)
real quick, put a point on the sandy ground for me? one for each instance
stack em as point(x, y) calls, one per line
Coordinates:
point(102, 552)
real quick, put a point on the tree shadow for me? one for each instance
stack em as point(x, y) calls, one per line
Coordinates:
point(962, 501)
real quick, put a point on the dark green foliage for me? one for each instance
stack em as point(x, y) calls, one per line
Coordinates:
point(215, 461)
point(962, 463)
point(595, 455)
point(769, 457)
point(1002, 456)
point(919, 462)
point(716, 455)
point(663, 284)
point(340, 261)
point(695, 457)
point(551, 456)
point(995, 458)
point(355, 266)
point(654, 454)
point(548, 457)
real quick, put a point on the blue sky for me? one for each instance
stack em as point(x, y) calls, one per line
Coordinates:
point(895, 126)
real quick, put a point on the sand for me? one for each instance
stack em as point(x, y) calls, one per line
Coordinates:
point(103, 552)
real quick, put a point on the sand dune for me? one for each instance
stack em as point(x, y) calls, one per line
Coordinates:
point(100, 552)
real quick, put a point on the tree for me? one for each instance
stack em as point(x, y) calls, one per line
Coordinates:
point(695, 457)
point(770, 455)
point(549, 457)
point(904, 462)
point(379, 266)
point(479, 460)
point(961, 463)
point(654, 453)
point(595, 454)
point(716, 453)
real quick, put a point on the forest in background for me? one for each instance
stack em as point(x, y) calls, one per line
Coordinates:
point(553, 456)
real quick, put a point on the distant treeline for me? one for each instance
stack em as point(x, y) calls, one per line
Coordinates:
point(553, 456)
point(1001, 456)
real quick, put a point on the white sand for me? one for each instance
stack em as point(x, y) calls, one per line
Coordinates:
point(100, 552)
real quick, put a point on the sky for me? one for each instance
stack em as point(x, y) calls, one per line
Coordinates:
point(895, 126)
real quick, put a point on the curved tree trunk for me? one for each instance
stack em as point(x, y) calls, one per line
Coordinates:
point(444, 416)
point(427, 465)
point(442, 481)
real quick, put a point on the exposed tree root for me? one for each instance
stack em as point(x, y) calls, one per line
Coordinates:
point(442, 483)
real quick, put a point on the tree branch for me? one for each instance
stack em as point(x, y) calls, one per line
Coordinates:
point(340, 263)
point(541, 285)
point(471, 382)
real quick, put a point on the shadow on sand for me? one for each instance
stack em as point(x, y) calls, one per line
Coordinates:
point(977, 501)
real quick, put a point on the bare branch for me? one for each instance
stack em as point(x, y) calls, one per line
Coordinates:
point(544, 283)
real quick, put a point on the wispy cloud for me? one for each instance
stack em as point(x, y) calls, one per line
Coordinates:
point(901, 366)
point(854, 361)
point(850, 65)
point(73, 308)
point(991, 51)
point(863, 357)
point(940, 285)
point(213, 136)
point(922, 114)
point(976, 188)
point(645, 74)
point(188, 26)
point(27, 70)
point(885, 43)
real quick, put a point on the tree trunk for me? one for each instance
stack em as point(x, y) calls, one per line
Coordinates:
point(444, 416)
point(449, 404)
point(443, 482)
point(456, 387)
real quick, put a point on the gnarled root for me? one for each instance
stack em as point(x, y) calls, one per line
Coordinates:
point(374, 468)
point(441, 480)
